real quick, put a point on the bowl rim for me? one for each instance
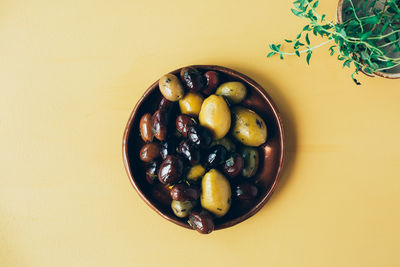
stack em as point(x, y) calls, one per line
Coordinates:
point(280, 127)
point(339, 19)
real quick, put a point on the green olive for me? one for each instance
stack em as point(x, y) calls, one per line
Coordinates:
point(195, 173)
point(251, 160)
point(170, 87)
point(226, 142)
point(248, 127)
point(181, 209)
point(191, 103)
point(235, 92)
point(215, 115)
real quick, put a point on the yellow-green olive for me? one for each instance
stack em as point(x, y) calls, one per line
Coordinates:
point(191, 104)
point(226, 142)
point(215, 115)
point(216, 193)
point(181, 209)
point(170, 87)
point(248, 127)
point(251, 160)
point(235, 92)
point(195, 173)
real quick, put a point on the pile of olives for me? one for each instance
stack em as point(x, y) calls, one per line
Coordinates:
point(201, 147)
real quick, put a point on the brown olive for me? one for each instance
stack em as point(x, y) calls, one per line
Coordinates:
point(216, 156)
point(159, 124)
point(183, 192)
point(171, 170)
point(192, 79)
point(246, 191)
point(151, 172)
point(212, 81)
point(183, 122)
point(150, 152)
point(200, 136)
point(168, 147)
point(165, 104)
point(161, 195)
point(202, 222)
point(233, 165)
point(145, 128)
point(189, 151)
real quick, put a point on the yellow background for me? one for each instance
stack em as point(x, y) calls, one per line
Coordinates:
point(70, 74)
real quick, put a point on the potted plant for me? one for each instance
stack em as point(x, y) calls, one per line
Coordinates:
point(365, 36)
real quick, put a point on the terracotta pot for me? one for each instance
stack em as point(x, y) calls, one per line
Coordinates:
point(392, 74)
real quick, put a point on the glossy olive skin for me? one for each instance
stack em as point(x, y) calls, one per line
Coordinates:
point(246, 191)
point(216, 156)
point(182, 209)
point(226, 142)
point(145, 128)
point(202, 222)
point(251, 159)
point(168, 148)
point(195, 173)
point(192, 79)
point(149, 152)
point(212, 81)
point(165, 104)
point(159, 124)
point(200, 136)
point(191, 104)
point(233, 166)
point(215, 115)
point(170, 87)
point(189, 151)
point(183, 192)
point(171, 170)
point(161, 194)
point(235, 92)
point(183, 122)
point(151, 172)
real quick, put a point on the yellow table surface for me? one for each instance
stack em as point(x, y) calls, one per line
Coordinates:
point(70, 74)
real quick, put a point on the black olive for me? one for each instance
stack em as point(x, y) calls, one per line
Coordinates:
point(190, 151)
point(168, 147)
point(216, 156)
point(200, 136)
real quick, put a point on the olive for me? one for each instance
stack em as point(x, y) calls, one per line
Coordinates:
point(233, 165)
point(183, 192)
point(246, 191)
point(189, 151)
point(216, 156)
point(168, 147)
point(159, 124)
point(251, 160)
point(212, 81)
point(200, 136)
point(195, 173)
point(183, 122)
point(182, 209)
point(170, 87)
point(226, 142)
point(150, 152)
point(165, 104)
point(202, 222)
point(192, 79)
point(171, 170)
point(145, 128)
point(151, 172)
point(161, 195)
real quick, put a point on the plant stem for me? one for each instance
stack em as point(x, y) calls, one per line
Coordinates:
point(355, 15)
point(306, 50)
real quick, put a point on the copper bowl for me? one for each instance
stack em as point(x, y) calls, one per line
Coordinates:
point(271, 153)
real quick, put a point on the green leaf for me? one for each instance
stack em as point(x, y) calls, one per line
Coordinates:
point(372, 20)
point(297, 13)
point(347, 63)
point(297, 53)
point(308, 58)
point(307, 39)
point(288, 41)
point(270, 54)
point(323, 17)
point(365, 36)
point(315, 4)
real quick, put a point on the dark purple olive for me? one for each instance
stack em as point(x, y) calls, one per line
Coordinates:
point(216, 156)
point(159, 124)
point(233, 165)
point(168, 147)
point(171, 170)
point(202, 222)
point(192, 79)
point(183, 122)
point(183, 192)
point(200, 136)
point(246, 191)
point(149, 152)
point(189, 151)
point(212, 81)
point(151, 172)
point(161, 195)
point(165, 104)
